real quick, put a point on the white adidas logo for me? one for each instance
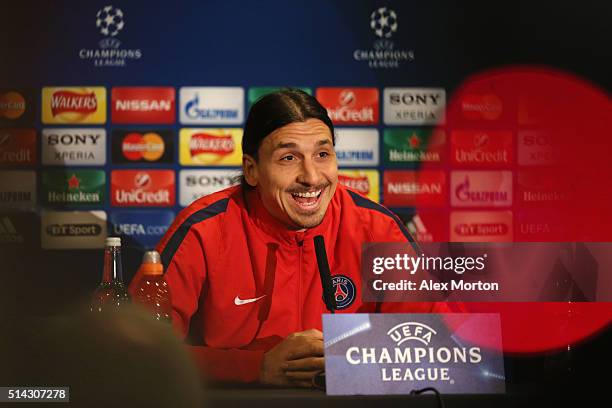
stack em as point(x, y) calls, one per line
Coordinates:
point(8, 233)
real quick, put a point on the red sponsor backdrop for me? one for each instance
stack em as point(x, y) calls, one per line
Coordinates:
point(138, 105)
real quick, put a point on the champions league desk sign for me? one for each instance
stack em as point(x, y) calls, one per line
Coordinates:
point(377, 354)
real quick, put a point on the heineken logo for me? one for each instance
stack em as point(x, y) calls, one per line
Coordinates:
point(77, 187)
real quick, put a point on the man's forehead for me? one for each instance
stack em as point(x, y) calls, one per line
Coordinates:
point(310, 133)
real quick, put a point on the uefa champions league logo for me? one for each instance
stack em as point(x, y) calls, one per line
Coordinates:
point(110, 21)
point(383, 22)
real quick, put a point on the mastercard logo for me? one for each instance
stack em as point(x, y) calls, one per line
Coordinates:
point(138, 146)
point(481, 106)
point(12, 105)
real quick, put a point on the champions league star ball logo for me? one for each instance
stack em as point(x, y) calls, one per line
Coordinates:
point(384, 22)
point(110, 21)
point(344, 291)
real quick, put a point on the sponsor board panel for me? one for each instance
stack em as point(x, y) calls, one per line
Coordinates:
point(414, 106)
point(211, 105)
point(210, 146)
point(142, 105)
point(426, 226)
point(384, 354)
point(17, 106)
point(73, 188)
point(257, 92)
point(17, 147)
point(74, 146)
point(142, 146)
point(481, 226)
point(73, 229)
point(482, 148)
point(18, 189)
point(195, 184)
point(481, 188)
point(143, 228)
point(423, 188)
point(536, 148)
point(73, 104)
point(350, 106)
point(414, 146)
point(357, 147)
point(19, 228)
point(363, 181)
point(142, 188)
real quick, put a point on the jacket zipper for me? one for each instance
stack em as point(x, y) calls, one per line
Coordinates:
point(301, 247)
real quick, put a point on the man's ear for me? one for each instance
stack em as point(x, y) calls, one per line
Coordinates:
point(250, 171)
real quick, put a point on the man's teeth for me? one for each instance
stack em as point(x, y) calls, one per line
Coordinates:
point(312, 194)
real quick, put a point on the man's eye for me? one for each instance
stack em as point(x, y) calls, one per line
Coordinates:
point(288, 158)
point(323, 154)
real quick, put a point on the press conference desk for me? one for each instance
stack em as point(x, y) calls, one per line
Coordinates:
point(297, 398)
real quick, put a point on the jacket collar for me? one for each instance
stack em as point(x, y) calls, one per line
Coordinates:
point(278, 231)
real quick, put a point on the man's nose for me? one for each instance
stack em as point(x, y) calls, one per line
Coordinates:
point(310, 174)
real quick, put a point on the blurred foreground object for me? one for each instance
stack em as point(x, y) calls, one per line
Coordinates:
point(152, 290)
point(112, 293)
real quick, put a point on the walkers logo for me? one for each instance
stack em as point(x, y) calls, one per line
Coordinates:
point(357, 147)
point(74, 146)
point(481, 226)
point(73, 229)
point(404, 146)
point(199, 183)
point(384, 24)
point(536, 149)
point(256, 93)
point(143, 229)
point(212, 105)
point(139, 105)
point(82, 187)
point(414, 106)
point(142, 188)
point(156, 146)
point(481, 148)
point(74, 105)
point(16, 106)
point(481, 106)
point(481, 188)
point(424, 188)
point(17, 147)
point(426, 226)
point(350, 106)
point(212, 147)
point(110, 22)
point(543, 187)
point(362, 181)
point(18, 189)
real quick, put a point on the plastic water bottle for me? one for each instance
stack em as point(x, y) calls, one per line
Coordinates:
point(152, 290)
point(112, 293)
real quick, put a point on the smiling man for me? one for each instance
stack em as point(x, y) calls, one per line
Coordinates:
point(241, 263)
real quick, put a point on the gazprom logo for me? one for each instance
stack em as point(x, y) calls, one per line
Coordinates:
point(411, 331)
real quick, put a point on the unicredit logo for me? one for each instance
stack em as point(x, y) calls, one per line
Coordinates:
point(350, 105)
point(140, 188)
point(361, 184)
point(206, 143)
point(70, 101)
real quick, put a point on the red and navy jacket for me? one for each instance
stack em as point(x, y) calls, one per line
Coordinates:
point(241, 281)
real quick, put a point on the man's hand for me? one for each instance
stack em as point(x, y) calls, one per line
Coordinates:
point(295, 360)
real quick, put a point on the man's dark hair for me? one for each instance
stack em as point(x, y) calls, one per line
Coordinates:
point(278, 109)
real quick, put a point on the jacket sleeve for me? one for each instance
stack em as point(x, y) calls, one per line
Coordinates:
point(186, 277)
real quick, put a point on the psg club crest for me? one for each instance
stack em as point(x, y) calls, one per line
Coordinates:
point(344, 291)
